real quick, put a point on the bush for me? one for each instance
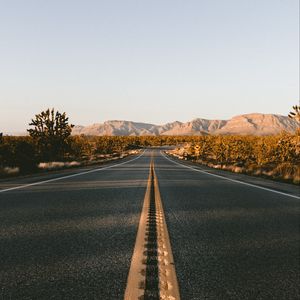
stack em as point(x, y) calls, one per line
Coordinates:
point(18, 152)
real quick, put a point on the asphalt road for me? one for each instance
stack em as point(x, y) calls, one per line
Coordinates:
point(73, 238)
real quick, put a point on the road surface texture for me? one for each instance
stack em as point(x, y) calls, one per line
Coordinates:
point(72, 235)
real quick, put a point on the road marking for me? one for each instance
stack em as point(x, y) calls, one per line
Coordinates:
point(69, 176)
point(169, 289)
point(229, 179)
point(152, 272)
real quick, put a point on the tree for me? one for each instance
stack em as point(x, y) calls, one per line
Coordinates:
point(50, 133)
point(296, 113)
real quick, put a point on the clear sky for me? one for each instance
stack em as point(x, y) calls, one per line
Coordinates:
point(150, 61)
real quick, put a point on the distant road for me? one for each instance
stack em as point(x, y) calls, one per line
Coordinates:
point(72, 235)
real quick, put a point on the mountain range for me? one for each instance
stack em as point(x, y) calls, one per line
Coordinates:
point(248, 124)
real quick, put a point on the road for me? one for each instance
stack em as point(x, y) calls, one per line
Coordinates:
point(71, 235)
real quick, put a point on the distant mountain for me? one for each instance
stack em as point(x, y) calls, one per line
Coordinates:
point(258, 124)
point(253, 124)
point(195, 127)
point(117, 128)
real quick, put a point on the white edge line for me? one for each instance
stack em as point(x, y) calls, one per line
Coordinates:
point(229, 179)
point(69, 176)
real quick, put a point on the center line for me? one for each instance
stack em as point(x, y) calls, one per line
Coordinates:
point(152, 272)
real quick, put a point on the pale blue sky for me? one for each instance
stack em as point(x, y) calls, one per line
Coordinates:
point(151, 61)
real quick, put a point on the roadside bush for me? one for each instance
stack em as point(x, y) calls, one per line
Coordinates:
point(252, 154)
point(18, 152)
point(275, 156)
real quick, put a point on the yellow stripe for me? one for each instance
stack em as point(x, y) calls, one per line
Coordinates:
point(169, 288)
point(168, 285)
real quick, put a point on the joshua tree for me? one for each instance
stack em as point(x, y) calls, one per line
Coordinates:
point(50, 132)
point(296, 113)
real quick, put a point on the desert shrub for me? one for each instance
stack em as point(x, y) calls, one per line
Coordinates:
point(250, 153)
point(277, 156)
point(18, 152)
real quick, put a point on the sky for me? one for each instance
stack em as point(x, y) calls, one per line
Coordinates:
point(148, 61)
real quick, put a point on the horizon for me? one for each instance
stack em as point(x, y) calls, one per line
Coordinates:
point(9, 132)
point(152, 62)
point(180, 121)
point(24, 132)
point(149, 149)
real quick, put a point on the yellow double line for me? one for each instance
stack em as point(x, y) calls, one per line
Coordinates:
point(152, 270)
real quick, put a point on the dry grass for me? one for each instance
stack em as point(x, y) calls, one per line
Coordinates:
point(9, 171)
point(57, 165)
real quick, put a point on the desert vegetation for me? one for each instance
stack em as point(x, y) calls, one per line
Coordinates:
point(50, 145)
point(277, 157)
point(27, 154)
